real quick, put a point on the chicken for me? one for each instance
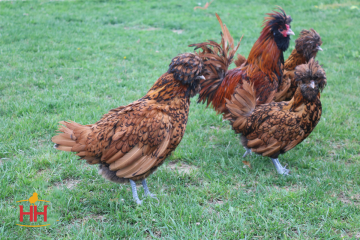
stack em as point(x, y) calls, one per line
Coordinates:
point(275, 128)
point(307, 46)
point(262, 68)
point(130, 142)
point(33, 199)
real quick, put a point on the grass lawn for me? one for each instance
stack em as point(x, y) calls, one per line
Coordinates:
point(76, 60)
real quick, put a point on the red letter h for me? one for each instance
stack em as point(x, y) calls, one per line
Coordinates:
point(22, 213)
point(44, 213)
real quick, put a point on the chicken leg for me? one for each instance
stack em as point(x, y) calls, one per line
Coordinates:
point(134, 191)
point(248, 151)
point(147, 191)
point(279, 168)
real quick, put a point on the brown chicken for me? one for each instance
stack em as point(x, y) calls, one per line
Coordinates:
point(275, 128)
point(262, 68)
point(130, 142)
point(307, 46)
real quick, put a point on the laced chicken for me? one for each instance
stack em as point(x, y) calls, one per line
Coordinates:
point(275, 128)
point(130, 142)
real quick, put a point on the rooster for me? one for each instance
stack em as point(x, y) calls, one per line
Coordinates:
point(307, 46)
point(130, 142)
point(262, 68)
point(275, 128)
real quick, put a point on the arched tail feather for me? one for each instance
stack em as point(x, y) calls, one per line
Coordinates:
point(217, 59)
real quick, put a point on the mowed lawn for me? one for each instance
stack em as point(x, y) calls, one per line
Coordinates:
point(76, 60)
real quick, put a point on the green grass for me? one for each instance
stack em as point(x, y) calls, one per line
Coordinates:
point(65, 61)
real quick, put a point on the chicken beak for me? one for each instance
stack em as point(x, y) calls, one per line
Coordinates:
point(319, 48)
point(312, 84)
point(290, 32)
point(201, 77)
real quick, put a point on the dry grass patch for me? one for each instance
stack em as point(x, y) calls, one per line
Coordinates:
point(68, 183)
point(216, 202)
point(181, 167)
point(350, 235)
point(345, 198)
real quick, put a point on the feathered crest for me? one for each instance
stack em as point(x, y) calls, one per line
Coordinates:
point(311, 71)
point(278, 18)
point(309, 35)
point(308, 42)
point(186, 67)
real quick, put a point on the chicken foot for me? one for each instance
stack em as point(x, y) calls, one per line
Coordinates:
point(279, 168)
point(146, 190)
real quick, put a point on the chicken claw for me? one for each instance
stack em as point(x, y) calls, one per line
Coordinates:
point(279, 168)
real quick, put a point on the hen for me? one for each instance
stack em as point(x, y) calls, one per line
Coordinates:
point(275, 128)
point(307, 46)
point(262, 68)
point(130, 142)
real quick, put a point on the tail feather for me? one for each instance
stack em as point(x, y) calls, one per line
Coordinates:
point(66, 138)
point(241, 105)
point(78, 147)
point(63, 148)
point(217, 59)
point(240, 60)
point(227, 36)
point(62, 139)
point(72, 138)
